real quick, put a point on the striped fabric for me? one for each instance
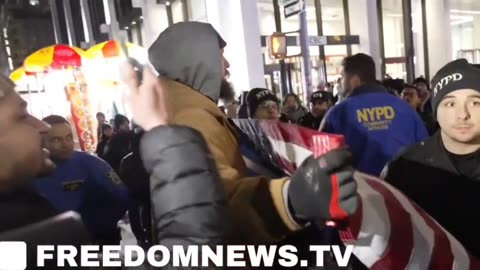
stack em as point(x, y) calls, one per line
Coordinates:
point(389, 231)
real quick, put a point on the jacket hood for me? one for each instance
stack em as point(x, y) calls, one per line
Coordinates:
point(190, 53)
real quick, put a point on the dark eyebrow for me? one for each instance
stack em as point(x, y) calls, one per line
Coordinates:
point(474, 96)
point(449, 97)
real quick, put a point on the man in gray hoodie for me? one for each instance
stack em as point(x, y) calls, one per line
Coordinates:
point(189, 59)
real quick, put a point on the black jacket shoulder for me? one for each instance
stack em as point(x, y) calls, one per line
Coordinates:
point(425, 174)
point(188, 199)
point(23, 207)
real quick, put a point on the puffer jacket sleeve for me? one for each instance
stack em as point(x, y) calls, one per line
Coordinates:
point(188, 199)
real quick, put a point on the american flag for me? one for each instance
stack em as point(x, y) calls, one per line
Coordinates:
point(388, 231)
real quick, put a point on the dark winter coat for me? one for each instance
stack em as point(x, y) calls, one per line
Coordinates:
point(426, 174)
point(310, 121)
point(23, 207)
point(188, 200)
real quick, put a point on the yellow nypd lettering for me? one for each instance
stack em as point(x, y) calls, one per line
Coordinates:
point(376, 118)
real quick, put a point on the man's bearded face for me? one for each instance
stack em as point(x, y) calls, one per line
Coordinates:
point(226, 91)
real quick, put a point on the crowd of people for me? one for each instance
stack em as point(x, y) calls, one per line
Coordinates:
point(177, 171)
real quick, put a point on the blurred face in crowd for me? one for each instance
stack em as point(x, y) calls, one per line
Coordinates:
point(60, 141)
point(125, 127)
point(108, 132)
point(101, 118)
point(412, 97)
point(459, 116)
point(422, 86)
point(424, 92)
point(319, 108)
point(22, 155)
point(267, 110)
point(291, 102)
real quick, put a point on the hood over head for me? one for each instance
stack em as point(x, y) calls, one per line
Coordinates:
point(190, 52)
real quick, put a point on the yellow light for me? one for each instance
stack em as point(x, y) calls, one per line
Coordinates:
point(276, 44)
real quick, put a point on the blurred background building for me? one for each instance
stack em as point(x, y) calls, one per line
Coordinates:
point(407, 38)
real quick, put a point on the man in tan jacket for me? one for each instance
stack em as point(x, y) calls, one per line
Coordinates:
point(190, 57)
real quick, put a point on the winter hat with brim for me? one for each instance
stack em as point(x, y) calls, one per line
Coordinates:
point(456, 75)
point(321, 96)
point(256, 97)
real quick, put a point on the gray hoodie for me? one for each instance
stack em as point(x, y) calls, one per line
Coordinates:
point(190, 52)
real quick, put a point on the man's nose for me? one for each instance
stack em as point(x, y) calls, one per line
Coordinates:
point(41, 126)
point(462, 112)
point(227, 64)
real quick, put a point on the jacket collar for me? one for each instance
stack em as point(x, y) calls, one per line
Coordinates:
point(437, 155)
point(182, 97)
point(367, 89)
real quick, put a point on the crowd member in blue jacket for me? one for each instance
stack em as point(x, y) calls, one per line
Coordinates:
point(83, 183)
point(376, 124)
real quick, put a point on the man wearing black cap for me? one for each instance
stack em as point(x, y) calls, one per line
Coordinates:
point(262, 104)
point(120, 144)
point(320, 103)
point(442, 173)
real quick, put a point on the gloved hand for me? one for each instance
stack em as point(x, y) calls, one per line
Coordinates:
point(323, 188)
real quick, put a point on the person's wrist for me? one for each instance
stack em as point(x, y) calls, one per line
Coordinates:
point(153, 123)
point(291, 210)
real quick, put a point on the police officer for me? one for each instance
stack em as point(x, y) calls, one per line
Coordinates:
point(320, 103)
point(83, 183)
point(376, 124)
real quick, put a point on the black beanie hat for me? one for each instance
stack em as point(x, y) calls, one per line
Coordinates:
point(321, 96)
point(456, 75)
point(256, 96)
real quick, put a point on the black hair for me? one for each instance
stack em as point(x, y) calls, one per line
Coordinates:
point(119, 120)
point(361, 65)
point(421, 80)
point(106, 126)
point(100, 114)
point(412, 87)
point(297, 99)
point(55, 120)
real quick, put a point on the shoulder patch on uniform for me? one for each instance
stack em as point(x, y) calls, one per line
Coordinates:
point(114, 177)
point(71, 186)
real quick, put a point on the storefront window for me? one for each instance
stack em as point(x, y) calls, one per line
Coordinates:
point(418, 38)
point(177, 11)
point(333, 24)
point(266, 17)
point(197, 10)
point(393, 39)
point(465, 27)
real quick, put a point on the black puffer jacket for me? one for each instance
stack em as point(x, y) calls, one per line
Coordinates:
point(137, 180)
point(188, 199)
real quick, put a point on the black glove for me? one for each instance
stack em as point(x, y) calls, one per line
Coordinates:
point(323, 189)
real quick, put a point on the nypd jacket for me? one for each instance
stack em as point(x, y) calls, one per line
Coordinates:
point(87, 185)
point(376, 126)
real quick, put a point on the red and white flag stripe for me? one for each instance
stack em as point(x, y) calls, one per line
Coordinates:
point(389, 231)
